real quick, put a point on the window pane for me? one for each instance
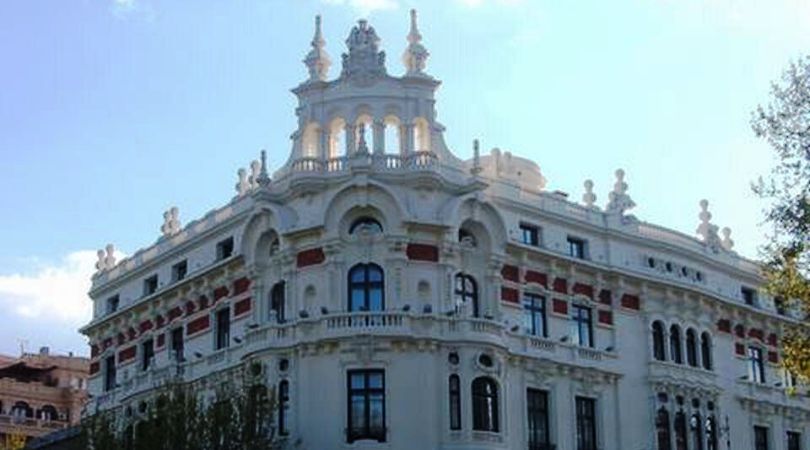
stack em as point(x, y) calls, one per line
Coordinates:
point(374, 274)
point(375, 299)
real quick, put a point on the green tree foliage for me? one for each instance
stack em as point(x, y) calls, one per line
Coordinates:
point(237, 415)
point(785, 125)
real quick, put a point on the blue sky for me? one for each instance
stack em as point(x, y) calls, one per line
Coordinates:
point(111, 111)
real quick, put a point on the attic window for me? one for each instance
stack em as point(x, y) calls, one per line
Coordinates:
point(225, 249)
point(150, 285)
point(112, 304)
point(749, 295)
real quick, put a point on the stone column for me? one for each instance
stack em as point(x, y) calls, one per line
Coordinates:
point(378, 128)
point(407, 139)
point(323, 144)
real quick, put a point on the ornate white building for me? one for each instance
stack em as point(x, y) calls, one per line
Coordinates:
point(398, 297)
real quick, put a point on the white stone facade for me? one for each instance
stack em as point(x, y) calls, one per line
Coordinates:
point(375, 249)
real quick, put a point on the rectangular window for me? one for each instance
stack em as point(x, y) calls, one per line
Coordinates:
point(530, 235)
point(760, 438)
point(749, 296)
point(150, 285)
point(178, 346)
point(582, 325)
point(223, 337)
point(586, 423)
point(794, 440)
point(534, 310)
point(112, 304)
point(366, 405)
point(537, 414)
point(577, 247)
point(147, 354)
point(225, 249)
point(455, 402)
point(179, 270)
point(756, 366)
point(109, 373)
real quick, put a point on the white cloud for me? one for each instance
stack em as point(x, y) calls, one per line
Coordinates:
point(366, 6)
point(52, 292)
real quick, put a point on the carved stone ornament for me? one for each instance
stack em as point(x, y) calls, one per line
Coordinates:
point(364, 61)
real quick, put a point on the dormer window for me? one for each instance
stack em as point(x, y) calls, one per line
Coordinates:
point(749, 296)
point(112, 304)
point(179, 270)
point(366, 225)
point(225, 249)
point(577, 248)
point(150, 285)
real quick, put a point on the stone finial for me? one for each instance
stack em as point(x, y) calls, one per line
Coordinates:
point(255, 170)
point(727, 242)
point(589, 198)
point(171, 222)
point(106, 258)
point(619, 201)
point(243, 185)
point(416, 55)
point(707, 230)
point(317, 60)
point(476, 168)
point(263, 178)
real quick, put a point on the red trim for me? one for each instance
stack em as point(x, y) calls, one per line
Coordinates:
point(560, 285)
point(242, 307)
point(510, 273)
point(605, 316)
point(310, 257)
point(422, 252)
point(605, 297)
point(190, 307)
point(220, 292)
point(583, 289)
point(241, 285)
point(509, 295)
point(145, 326)
point(126, 354)
point(560, 306)
point(175, 313)
point(536, 277)
point(197, 325)
point(631, 302)
point(756, 333)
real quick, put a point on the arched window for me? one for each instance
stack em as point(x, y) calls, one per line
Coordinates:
point(22, 409)
point(691, 348)
point(283, 407)
point(337, 141)
point(454, 388)
point(392, 136)
point(675, 344)
point(467, 292)
point(366, 225)
point(711, 433)
point(658, 341)
point(366, 290)
point(48, 412)
point(485, 404)
point(706, 350)
point(277, 301)
point(662, 429)
point(680, 431)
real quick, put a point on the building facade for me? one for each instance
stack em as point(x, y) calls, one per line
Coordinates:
point(399, 297)
point(41, 393)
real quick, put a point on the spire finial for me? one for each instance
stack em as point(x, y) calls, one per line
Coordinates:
point(317, 60)
point(707, 230)
point(589, 198)
point(619, 200)
point(264, 178)
point(416, 55)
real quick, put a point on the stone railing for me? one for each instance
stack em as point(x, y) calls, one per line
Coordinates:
point(379, 162)
point(10, 421)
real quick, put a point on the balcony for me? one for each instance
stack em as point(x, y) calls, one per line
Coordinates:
point(29, 426)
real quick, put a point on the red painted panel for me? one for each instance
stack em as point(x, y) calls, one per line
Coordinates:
point(739, 349)
point(242, 306)
point(422, 252)
point(756, 333)
point(94, 351)
point(739, 331)
point(175, 313)
point(310, 257)
point(724, 325)
point(126, 354)
point(145, 326)
point(94, 368)
point(583, 289)
point(509, 295)
point(161, 340)
point(606, 317)
point(510, 273)
point(220, 292)
point(241, 285)
point(560, 306)
point(190, 307)
point(197, 325)
point(773, 340)
point(631, 302)
point(605, 297)
point(536, 277)
point(560, 285)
